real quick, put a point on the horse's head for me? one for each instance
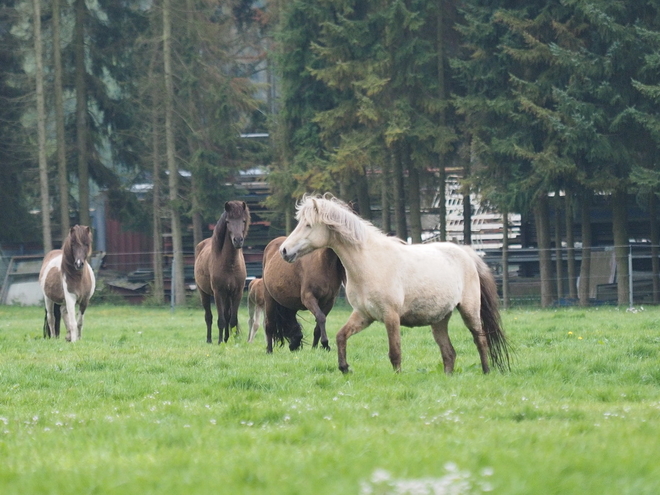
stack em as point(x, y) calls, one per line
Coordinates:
point(81, 244)
point(310, 234)
point(237, 216)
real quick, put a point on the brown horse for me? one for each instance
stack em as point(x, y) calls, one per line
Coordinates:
point(255, 306)
point(220, 268)
point(311, 283)
point(66, 279)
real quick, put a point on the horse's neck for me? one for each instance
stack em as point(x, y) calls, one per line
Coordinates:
point(222, 244)
point(332, 260)
point(354, 257)
point(68, 268)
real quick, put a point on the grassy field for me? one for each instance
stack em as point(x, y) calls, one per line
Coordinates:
point(142, 405)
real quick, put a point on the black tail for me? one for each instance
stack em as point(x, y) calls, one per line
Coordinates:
point(498, 346)
point(287, 327)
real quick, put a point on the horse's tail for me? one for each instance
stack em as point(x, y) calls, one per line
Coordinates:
point(287, 327)
point(498, 346)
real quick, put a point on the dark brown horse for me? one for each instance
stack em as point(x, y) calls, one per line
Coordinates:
point(67, 280)
point(255, 306)
point(311, 283)
point(220, 268)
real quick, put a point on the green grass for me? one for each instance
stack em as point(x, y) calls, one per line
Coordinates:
point(143, 405)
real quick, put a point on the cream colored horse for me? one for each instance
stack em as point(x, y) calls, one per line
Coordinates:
point(400, 284)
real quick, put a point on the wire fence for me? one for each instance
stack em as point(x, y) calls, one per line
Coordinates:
point(130, 276)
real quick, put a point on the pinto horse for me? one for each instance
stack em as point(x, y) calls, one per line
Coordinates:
point(311, 283)
point(256, 305)
point(67, 280)
point(220, 269)
point(400, 284)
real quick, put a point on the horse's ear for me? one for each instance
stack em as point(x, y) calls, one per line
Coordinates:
point(72, 230)
point(316, 206)
point(88, 230)
point(227, 207)
point(244, 205)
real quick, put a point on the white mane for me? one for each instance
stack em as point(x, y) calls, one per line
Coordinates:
point(337, 215)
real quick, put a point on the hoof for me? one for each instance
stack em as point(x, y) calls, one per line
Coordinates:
point(326, 346)
point(295, 345)
point(345, 369)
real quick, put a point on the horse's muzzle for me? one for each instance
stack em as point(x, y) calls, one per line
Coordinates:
point(79, 264)
point(289, 258)
point(238, 242)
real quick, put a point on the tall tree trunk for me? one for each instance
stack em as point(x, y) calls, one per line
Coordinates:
point(41, 129)
point(543, 237)
point(467, 219)
point(386, 220)
point(570, 247)
point(559, 268)
point(505, 259)
point(399, 193)
point(415, 205)
point(467, 203)
point(585, 266)
point(159, 287)
point(362, 193)
point(178, 286)
point(655, 251)
point(198, 234)
point(621, 243)
point(288, 220)
point(442, 176)
point(62, 173)
point(82, 130)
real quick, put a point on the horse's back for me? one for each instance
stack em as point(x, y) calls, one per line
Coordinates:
point(201, 268)
point(256, 292)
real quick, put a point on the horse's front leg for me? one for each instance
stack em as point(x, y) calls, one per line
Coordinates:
point(69, 316)
point(223, 321)
point(81, 316)
point(232, 312)
point(356, 323)
point(312, 304)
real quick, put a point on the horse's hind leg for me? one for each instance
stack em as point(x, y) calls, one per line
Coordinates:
point(252, 312)
point(441, 336)
point(472, 319)
point(208, 315)
point(49, 318)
